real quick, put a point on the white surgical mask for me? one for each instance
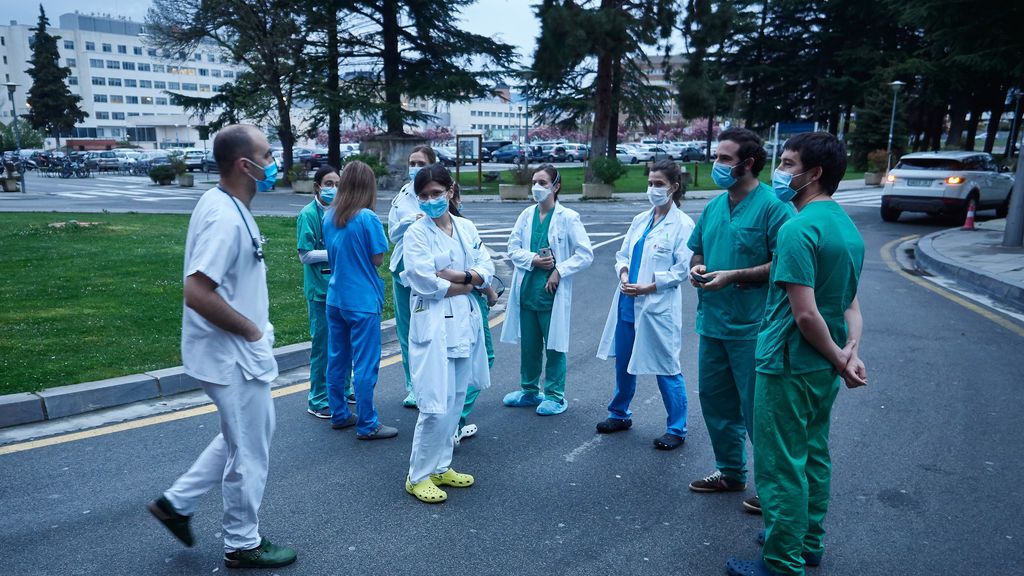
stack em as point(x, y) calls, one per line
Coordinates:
point(540, 193)
point(657, 196)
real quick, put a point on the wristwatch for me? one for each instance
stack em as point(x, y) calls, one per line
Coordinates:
point(469, 277)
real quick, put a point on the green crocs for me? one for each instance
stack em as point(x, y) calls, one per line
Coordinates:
point(452, 478)
point(266, 555)
point(425, 491)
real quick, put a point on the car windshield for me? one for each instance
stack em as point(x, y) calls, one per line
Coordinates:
point(930, 164)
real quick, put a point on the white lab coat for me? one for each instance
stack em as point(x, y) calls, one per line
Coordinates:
point(404, 211)
point(440, 327)
point(659, 315)
point(571, 247)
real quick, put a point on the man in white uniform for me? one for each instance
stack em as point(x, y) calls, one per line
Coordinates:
point(227, 343)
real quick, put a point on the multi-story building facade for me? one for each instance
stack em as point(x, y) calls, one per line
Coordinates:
point(123, 82)
point(503, 116)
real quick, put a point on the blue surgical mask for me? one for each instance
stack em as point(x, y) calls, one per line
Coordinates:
point(413, 171)
point(781, 183)
point(327, 194)
point(269, 176)
point(435, 208)
point(722, 175)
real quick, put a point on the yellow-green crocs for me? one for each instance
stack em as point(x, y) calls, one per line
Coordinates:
point(425, 491)
point(452, 478)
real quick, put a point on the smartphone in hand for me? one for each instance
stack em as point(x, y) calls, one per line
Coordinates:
point(544, 253)
point(698, 278)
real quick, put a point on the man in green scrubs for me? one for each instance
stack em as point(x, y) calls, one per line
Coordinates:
point(535, 321)
point(309, 232)
point(732, 245)
point(808, 340)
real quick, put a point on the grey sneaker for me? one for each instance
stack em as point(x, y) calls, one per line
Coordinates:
point(752, 505)
point(323, 413)
point(717, 482)
point(266, 555)
point(379, 433)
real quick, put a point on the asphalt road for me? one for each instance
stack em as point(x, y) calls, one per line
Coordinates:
point(926, 461)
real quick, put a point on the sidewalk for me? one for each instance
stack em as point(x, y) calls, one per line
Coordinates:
point(977, 259)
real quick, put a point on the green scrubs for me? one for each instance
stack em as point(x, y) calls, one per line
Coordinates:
point(534, 322)
point(309, 235)
point(732, 238)
point(471, 392)
point(796, 386)
point(402, 294)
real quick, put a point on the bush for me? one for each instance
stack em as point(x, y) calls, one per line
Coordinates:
point(178, 166)
point(297, 172)
point(162, 174)
point(608, 170)
point(522, 174)
point(370, 160)
point(877, 161)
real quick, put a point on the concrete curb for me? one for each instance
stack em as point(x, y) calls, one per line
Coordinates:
point(62, 401)
point(932, 261)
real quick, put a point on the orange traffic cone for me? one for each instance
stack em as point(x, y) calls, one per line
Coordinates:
point(969, 222)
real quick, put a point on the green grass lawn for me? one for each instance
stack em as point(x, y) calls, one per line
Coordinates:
point(635, 179)
point(86, 303)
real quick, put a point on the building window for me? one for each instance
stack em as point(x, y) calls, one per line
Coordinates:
point(229, 74)
point(204, 72)
point(128, 65)
point(204, 87)
point(189, 87)
point(72, 80)
point(103, 115)
point(159, 68)
point(99, 81)
point(145, 83)
point(95, 63)
point(130, 83)
point(143, 67)
point(160, 85)
point(69, 45)
point(107, 48)
point(122, 49)
point(117, 115)
point(101, 98)
point(114, 81)
point(3, 41)
point(131, 114)
point(116, 132)
point(99, 133)
point(116, 99)
point(147, 100)
point(131, 99)
point(161, 101)
point(197, 57)
point(114, 64)
point(211, 58)
point(173, 86)
point(71, 62)
point(151, 52)
point(215, 73)
point(137, 50)
point(90, 46)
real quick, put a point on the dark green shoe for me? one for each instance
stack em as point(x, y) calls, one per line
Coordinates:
point(162, 510)
point(266, 555)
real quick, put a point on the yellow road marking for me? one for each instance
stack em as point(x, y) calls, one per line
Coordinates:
point(172, 416)
point(895, 267)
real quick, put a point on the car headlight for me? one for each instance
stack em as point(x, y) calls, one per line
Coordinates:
point(890, 178)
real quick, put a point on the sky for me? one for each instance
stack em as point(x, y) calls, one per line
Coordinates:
point(511, 21)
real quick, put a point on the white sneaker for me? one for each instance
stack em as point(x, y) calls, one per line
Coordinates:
point(467, 431)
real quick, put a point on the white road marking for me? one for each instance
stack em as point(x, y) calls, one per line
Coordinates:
point(582, 449)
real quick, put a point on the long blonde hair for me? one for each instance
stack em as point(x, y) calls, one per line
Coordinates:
point(357, 189)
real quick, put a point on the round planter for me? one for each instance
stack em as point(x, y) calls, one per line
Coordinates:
point(186, 180)
point(513, 192)
point(303, 186)
point(598, 191)
point(9, 184)
point(872, 178)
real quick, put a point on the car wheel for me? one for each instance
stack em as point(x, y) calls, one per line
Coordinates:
point(890, 214)
point(1004, 209)
point(633, 160)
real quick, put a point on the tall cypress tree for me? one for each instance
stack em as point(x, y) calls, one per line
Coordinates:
point(53, 107)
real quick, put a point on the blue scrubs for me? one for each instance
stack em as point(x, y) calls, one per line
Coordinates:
point(672, 387)
point(355, 300)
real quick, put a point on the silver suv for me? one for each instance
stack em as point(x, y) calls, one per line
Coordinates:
point(945, 183)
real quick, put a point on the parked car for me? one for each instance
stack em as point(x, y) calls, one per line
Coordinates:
point(691, 154)
point(655, 153)
point(209, 164)
point(445, 158)
point(626, 155)
point(115, 160)
point(509, 153)
point(576, 152)
point(945, 183)
point(193, 159)
point(492, 145)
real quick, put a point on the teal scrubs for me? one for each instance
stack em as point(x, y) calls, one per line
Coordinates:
point(731, 238)
point(535, 321)
point(471, 392)
point(796, 386)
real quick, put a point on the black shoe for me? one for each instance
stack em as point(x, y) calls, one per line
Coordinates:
point(266, 555)
point(162, 510)
point(752, 505)
point(346, 424)
point(717, 482)
point(613, 425)
point(669, 442)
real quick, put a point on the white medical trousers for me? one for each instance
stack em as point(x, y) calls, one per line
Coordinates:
point(237, 459)
point(434, 438)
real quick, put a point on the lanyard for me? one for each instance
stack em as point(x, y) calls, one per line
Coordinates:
point(257, 244)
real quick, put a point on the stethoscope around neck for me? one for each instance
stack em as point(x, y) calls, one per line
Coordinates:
point(257, 243)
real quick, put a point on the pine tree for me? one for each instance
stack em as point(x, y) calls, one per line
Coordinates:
point(53, 108)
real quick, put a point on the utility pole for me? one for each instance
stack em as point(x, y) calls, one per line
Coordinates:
point(17, 136)
point(1013, 236)
point(892, 123)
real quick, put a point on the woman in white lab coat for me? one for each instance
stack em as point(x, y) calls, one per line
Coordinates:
point(644, 327)
point(444, 261)
point(548, 246)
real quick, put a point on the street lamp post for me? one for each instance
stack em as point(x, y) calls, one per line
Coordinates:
point(896, 85)
point(17, 136)
point(1015, 95)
